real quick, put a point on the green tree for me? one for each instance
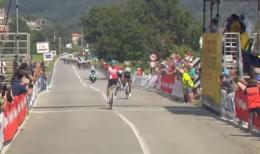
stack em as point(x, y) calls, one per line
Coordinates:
point(133, 30)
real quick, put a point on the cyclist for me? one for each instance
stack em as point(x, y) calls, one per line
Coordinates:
point(92, 73)
point(113, 77)
point(120, 78)
point(128, 77)
point(92, 70)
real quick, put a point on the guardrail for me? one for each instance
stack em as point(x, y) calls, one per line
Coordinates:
point(14, 113)
point(233, 105)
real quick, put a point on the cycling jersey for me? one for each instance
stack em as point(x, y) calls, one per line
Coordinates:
point(127, 73)
point(112, 73)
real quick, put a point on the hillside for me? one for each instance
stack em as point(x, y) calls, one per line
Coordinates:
point(65, 11)
point(69, 11)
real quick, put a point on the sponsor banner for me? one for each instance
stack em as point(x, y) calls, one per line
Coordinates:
point(167, 83)
point(178, 90)
point(241, 109)
point(228, 105)
point(42, 47)
point(211, 70)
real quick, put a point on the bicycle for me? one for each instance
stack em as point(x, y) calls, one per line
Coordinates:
point(111, 96)
point(126, 90)
point(119, 85)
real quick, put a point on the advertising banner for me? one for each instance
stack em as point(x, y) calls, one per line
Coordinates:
point(178, 90)
point(167, 83)
point(211, 70)
point(42, 47)
point(228, 105)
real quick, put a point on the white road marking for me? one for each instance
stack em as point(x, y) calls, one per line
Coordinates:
point(84, 85)
point(54, 71)
point(139, 137)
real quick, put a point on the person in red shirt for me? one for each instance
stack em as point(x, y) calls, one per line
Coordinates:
point(252, 93)
point(139, 72)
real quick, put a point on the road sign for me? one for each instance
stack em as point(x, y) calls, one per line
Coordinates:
point(153, 57)
point(48, 56)
point(42, 47)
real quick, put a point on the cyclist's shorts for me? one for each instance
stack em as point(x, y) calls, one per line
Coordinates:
point(112, 82)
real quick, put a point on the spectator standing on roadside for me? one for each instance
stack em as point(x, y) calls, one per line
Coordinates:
point(233, 24)
point(251, 90)
point(139, 72)
point(188, 85)
point(249, 26)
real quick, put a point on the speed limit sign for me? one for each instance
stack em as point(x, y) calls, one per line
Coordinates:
point(153, 57)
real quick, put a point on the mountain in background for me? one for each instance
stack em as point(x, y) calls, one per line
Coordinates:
point(61, 11)
point(68, 12)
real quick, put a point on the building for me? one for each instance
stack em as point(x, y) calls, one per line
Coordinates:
point(35, 24)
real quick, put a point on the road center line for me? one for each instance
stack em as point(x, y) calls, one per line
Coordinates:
point(84, 85)
point(139, 137)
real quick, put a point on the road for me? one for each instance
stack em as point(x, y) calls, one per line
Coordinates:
point(72, 118)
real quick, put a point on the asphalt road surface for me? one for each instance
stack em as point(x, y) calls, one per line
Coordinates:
point(72, 118)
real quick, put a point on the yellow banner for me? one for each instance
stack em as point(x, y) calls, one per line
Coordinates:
point(211, 68)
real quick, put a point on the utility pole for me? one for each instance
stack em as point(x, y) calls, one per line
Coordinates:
point(59, 45)
point(17, 27)
point(82, 37)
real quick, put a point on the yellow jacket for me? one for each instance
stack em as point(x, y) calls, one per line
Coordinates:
point(187, 81)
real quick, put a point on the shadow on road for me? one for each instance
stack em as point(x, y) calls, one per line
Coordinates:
point(188, 110)
point(69, 107)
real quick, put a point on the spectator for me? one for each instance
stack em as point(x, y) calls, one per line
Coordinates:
point(248, 25)
point(139, 72)
point(251, 91)
point(233, 24)
point(3, 69)
point(19, 84)
point(188, 85)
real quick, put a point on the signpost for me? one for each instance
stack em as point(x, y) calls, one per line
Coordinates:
point(42, 47)
point(48, 56)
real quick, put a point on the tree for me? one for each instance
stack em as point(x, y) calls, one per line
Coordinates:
point(134, 30)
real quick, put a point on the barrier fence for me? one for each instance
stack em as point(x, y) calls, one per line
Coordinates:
point(14, 113)
point(233, 105)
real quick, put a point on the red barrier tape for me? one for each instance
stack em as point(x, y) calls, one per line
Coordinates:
point(241, 109)
point(167, 83)
point(14, 115)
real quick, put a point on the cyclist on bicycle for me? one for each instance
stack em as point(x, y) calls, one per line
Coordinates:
point(128, 77)
point(113, 77)
point(120, 78)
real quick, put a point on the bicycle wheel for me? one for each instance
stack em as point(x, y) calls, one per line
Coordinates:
point(126, 90)
point(111, 100)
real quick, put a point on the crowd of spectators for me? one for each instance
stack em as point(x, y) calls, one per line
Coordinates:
point(23, 80)
point(182, 69)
